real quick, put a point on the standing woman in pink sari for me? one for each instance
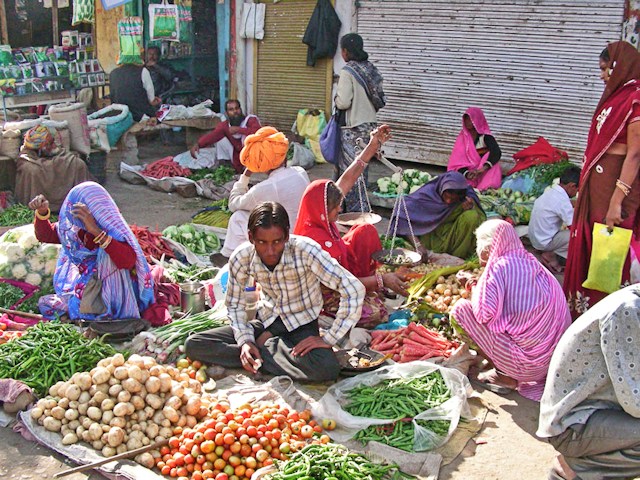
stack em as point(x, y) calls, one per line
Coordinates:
point(609, 184)
point(476, 153)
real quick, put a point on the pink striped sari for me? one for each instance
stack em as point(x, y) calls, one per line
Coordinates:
point(518, 313)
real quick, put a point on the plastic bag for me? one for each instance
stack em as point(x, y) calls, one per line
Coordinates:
point(330, 405)
point(164, 22)
point(83, 12)
point(252, 23)
point(608, 254)
point(186, 21)
point(302, 156)
point(130, 36)
point(24, 258)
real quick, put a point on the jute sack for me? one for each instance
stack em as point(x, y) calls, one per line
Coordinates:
point(76, 115)
point(11, 143)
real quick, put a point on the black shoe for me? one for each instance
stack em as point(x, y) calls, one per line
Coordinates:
point(218, 260)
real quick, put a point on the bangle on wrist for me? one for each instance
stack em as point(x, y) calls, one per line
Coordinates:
point(379, 281)
point(43, 217)
point(361, 162)
point(470, 285)
point(101, 236)
point(105, 242)
point(626, 189)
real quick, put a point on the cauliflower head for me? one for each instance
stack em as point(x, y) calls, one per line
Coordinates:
point(34, 279)
point(19, 271)
point(12, 251)
point(28, 241)
point(36, 263)
point(50, 266)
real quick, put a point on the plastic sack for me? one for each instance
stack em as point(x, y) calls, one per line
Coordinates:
point(164, 22)
point(185, 30)
point(302, 156)
point(130, 37)
point(330, 405)
point(24, 258)
point(83, 12)
point(252, 23)
point(608, 254)
point(310, 123)
point(114, 126)
point(331, 140)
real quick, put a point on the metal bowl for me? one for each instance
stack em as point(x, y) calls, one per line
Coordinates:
point(412, 258)
point(349, 370)
point(357, 218)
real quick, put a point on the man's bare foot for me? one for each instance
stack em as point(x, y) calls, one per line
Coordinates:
point(493, 377)
point(550, 260)
point(562, 468)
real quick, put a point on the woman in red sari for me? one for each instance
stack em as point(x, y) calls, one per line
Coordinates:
point(609, 183)
point(319, 209)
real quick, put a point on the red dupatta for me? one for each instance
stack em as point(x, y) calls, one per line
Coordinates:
point(313, 222)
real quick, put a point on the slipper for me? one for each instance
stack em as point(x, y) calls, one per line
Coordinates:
point(550, 267)
point(492, 387)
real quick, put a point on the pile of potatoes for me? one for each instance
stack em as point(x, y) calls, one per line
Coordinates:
point(120, 406)
point(447, 291)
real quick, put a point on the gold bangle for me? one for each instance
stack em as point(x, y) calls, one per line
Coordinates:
point(98, 238)
point(626, 189)
point(43, 217)
point(106, 242)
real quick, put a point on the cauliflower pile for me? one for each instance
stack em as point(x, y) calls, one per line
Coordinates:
point(24, 258)
point(408, 181)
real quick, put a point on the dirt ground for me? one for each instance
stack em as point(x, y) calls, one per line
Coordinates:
point(506, 446)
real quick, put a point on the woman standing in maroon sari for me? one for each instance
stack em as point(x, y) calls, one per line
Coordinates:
point(609, 183)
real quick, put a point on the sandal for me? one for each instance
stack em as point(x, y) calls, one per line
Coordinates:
point(492, 387)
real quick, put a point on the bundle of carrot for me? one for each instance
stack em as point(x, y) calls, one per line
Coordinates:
point(415, 342)
point(152, 243)
point(165, 167)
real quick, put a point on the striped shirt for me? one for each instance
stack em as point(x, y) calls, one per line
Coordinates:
point(292, 290)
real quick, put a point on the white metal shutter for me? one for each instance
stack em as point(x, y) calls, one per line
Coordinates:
point(531, 65)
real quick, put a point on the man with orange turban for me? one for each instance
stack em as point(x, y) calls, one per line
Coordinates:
point(264, 152)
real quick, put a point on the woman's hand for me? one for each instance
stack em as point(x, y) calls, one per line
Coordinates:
point(40, 203)
point(614, 215)
point(468, 203)
point(380, 135)
point(82, 212)
point(395, 283)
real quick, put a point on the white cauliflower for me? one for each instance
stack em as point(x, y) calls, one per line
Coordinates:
point(33, 279)
point(50, 266)
point(396, 178)
point(383, 184)
point(36, 263)
point(411, 173)
point(404, 186)
point(19, 271)
point(49, 251)
point(28, 241)
point(13, 252)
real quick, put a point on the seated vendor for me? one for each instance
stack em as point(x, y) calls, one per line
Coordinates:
point(516, 315)
point(265, 151)
point(285, 338)
point(590, 410)
point(319, 211)
point(443, 213)
point(44, 168)
point(162, 75)
point(228, 136)
point(550, 211)
point(101, 271)
point(131, 85)
point(476, 153)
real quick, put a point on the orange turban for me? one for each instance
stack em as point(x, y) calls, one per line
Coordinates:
point(264, 150)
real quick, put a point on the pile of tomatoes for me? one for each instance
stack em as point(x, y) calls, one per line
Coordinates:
point(6, 335)
point(195, 369)
point(233, 444)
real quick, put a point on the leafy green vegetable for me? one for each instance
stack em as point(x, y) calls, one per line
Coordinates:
point(220, 175)
point(9, 295)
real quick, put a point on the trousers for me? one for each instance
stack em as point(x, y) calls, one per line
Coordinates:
point(607, 446)
point(218, 347)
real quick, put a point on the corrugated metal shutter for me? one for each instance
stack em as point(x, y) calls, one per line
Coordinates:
point(532, 66)
point(283, 82)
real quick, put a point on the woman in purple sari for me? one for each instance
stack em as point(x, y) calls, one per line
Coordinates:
point(444, 213)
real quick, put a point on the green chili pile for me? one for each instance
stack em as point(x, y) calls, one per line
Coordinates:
point(401, 400)
point(9, 295)
point(332, 462)
point(50, 352)
point(18, 215)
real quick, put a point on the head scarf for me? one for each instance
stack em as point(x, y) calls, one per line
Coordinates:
point(464, 153)
point(313, 221)
point(264, 150)
point(124, 295)
point(624, 65)
point(426, 207)
point(38, 137)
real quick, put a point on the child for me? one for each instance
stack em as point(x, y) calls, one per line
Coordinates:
point(550, 211)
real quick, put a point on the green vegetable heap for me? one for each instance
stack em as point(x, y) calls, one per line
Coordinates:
point(220, 175)
point(399, 399)
point(50, 352)
point(200, 243)
point(332, 462)
point(18, 215)
point(408, 181)
point(9, 295)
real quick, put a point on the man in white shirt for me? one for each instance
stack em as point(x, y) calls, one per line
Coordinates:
point(284, 185)
point(550, 211)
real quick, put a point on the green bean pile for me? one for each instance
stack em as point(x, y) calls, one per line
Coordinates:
point(18, 215)
point(50, 352)
point(332, 462)
point(399, 399)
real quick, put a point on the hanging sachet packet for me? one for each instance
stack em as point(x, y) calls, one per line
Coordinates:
point(608, 253)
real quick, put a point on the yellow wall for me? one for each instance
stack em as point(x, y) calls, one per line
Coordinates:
point(107, 35)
